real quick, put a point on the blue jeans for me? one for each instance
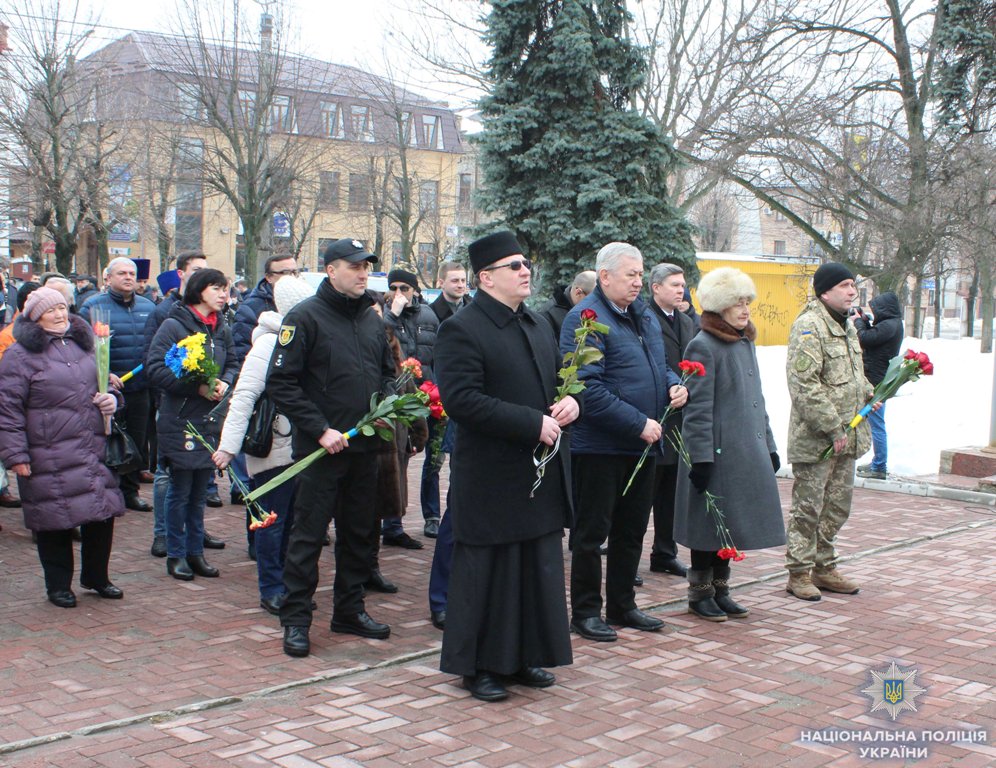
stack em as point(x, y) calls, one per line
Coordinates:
point(880, 442)
point(185, 511)
point(159, 487)
point(271, 542)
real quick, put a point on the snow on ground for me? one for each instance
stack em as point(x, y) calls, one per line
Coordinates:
point(947, 410)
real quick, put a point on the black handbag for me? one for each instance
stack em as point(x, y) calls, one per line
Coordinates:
point(120, 452)
point(258, 441)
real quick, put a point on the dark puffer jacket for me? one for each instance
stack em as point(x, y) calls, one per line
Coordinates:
point(127, 321)
point(416, 330)
point(260, 300)
point(880, 338)
point(180, 399)
point(48, 420)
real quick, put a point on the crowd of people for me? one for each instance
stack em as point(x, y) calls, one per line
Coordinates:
point(670, 422)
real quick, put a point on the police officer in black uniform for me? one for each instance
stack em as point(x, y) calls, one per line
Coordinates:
point(331, 356)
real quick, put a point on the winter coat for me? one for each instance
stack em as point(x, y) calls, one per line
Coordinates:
point(627, 386)
point(127, 321)
point(675, 339)
point(331, 357)
point(251, 384)
point(556, 309)
point(725, 423)
point(416, 329)
point(443, 309)
point(882, 337)
point(181, 401)
point(827, 384)
point(48, 420)
point(497, 374)
point(247, 316)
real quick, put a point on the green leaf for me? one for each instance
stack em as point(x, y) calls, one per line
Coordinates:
point(590, 355)
point(368, 430)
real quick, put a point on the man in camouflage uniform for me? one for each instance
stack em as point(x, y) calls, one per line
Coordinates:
point(827, 383)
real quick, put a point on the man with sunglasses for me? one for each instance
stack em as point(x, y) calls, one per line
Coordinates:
point(258, 301)
point(506, 615)
point(415, 325)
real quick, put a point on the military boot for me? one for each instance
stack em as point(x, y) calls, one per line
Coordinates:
point(721, 585)
point(801, 585)
point(831, 580)
point(701, 595)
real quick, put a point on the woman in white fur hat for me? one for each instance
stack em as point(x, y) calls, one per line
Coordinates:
point(733, 453)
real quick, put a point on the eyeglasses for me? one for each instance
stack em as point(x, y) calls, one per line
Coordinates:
point(282, 272)
point(515, 265)
point(403, 288)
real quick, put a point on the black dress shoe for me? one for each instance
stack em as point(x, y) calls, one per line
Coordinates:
point(378, 583)
point(213, 500)
point(273, 604)
point(146, 477)
point(360, 624)
point(638, 580)
point(64, 598)
point(402, 540)
point(485, 686)
point(212, 542)
point(108, 591)
point(179, 568)
point(636, 619)
point(296, 641)
point(201, 567)
point(158, 546)
point(431, 528)
point(593, 628)
point(137, 503)
point(438, 619)
point(673, 566)
point(534, 677)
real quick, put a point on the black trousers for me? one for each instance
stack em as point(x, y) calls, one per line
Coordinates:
point(665, 484)
point(343, 487)
point(134, 417)
point(603, 511)
point(55, 550)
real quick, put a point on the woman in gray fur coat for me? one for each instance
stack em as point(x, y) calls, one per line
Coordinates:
point(732, 451)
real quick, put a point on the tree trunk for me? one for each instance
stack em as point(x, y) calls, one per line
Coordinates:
point(937, 304)
point(164, 241)
point(986, 296)
point(973, 293)
point(917, 313)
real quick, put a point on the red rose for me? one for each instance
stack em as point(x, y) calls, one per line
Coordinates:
point(910, 355)
point(922, 359)
point(588, 314)
point(927, 369)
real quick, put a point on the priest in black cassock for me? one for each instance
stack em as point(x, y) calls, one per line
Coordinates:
point(496, 366)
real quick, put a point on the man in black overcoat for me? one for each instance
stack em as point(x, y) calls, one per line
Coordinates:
point(667, 286)
point(496, 366)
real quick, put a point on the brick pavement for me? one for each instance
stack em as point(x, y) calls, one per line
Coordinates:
point(191, 674)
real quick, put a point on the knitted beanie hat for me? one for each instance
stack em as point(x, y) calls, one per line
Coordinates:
point(829, 275)
point(41, 301)
point(289, 291)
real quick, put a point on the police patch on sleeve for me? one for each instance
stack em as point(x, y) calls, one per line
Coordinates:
point(286, 334)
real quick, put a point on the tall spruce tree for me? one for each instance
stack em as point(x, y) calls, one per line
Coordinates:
point(966, 81)
point(569, 164)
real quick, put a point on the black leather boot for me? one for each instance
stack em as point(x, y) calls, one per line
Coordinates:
point(721, 585)
point(200, 566)
point(701, 596)
point(178, 568)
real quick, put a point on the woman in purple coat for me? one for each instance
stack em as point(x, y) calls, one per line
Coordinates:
point(52, 437)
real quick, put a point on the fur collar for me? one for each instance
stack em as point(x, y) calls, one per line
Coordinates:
point(714, 324)
point(30, 335)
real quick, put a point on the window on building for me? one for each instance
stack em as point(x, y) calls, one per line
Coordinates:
point(428, 198)
point(332, 120)
point(427, 258)
point(119, 187)
point(397, 255)
point(432, 132)
point(189, 103)
point(282, 117)
point(408, 136)
point(779, 216)
point(779, 247)
point(359, 192)
point(465, 185)
point(247, 105)
point(817, 217)
point(189, 197)
point(323, 244)
point(328, 189)
point(362, 123)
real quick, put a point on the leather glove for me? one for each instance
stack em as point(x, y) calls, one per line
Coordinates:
point(700, 474)
point(776, 463)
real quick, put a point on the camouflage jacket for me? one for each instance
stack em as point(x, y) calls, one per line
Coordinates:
point(827, 384)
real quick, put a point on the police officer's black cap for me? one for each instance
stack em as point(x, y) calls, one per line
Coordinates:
point(349, 250)
point(489, 249)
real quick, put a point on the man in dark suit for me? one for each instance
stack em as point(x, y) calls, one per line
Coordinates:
point(667, 285)
point(564, 299)
point(497, 372)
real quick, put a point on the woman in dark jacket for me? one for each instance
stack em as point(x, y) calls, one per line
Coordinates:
point(190, 399)
point(732, 451)
point(52, 437)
